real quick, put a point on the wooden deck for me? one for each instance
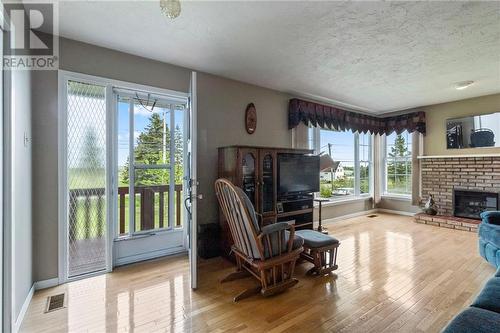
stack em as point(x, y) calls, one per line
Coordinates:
point(394, 276)
point(87, 255)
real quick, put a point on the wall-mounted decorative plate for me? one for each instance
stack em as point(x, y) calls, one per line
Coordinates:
point(251, 118)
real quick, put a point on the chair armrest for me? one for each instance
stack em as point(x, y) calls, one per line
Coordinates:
point(275, 227)
point(491, 217)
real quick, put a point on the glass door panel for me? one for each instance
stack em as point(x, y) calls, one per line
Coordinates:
point(179, 138)
point(86, 177)
point(152, 161)
point(267, 183)
point(123, 131)
point(157, 170)
point(249, 175)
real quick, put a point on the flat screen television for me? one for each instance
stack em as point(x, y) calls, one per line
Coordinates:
point(297, 174)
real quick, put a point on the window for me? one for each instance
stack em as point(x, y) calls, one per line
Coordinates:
point(365, 162)
point(398, 163)
point(352, 156)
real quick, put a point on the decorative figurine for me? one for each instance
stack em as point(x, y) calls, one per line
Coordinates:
point(430, 206)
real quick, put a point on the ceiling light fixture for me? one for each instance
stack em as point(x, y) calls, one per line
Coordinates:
point(170, 8)
point(464, 84)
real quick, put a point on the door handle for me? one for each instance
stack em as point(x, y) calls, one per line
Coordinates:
point(188, 208)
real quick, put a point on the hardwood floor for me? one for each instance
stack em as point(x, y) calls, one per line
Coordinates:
point(394, 276)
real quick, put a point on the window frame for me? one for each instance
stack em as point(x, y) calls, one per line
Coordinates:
point(408, 159)
point(314, 141)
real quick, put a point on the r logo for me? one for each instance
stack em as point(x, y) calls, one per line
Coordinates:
point(31, 29)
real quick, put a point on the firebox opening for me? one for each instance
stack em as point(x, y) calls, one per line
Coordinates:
point(471, 204)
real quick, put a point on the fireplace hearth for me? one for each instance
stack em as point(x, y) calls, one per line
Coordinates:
point(470, 204)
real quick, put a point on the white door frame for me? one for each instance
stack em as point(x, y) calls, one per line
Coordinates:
point(2, 301)
point(6, 285)
point(193, 221)
point(111, 159)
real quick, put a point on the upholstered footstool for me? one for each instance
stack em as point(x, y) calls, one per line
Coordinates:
point(320, 249)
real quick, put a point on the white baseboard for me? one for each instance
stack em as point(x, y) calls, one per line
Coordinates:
point(46, 283)
point(348, 216)
point(367, 212)
point(148, 256)
point(396, 212)
point(19, 320)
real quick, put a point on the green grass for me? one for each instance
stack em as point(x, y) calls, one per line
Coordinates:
point(87, 222)
point(399, 186)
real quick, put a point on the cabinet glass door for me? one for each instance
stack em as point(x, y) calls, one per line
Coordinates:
point(267, 183)
point(249, 175)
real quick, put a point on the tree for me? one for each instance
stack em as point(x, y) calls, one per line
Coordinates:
point(397, 165)
point(92, 154)
point(179, 155)
point(153, 147)
point(399, 149)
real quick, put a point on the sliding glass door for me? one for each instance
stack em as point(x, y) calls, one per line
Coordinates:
point(86, 172)
point(122, 171)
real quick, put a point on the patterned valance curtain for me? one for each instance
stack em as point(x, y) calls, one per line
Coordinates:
point(330, 117)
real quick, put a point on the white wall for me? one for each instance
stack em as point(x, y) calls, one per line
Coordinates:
point(19, 191)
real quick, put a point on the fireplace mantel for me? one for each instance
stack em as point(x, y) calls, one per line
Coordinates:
point(422, 157)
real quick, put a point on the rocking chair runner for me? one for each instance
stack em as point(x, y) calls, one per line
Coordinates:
point(268, 253)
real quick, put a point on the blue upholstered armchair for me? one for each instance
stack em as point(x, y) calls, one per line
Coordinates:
point(483, 316)
point(489, 237)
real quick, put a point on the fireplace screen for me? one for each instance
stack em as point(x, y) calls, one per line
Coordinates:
point(472, 203)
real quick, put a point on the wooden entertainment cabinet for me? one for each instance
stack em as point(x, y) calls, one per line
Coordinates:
point(255, 170)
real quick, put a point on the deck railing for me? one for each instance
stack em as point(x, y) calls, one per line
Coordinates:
point(87, 213)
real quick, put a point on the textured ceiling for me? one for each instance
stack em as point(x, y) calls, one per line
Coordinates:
point(372, 56)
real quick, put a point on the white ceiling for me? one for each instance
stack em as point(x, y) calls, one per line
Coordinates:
point(372, 56)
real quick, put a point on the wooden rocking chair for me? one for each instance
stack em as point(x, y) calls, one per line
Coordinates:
point(268, 253)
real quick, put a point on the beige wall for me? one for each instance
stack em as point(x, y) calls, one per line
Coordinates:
point(398, 205)
point(221, 109)
point(45, 175)
point(94, 60)
point(339, 210)
point(436, 116)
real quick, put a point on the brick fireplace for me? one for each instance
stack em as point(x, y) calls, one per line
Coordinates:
point(441, 176)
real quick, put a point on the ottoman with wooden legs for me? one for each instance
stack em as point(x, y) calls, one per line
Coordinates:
point(319, 249)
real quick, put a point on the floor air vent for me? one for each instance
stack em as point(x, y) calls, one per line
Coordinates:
point(372, 215)
point(55, 302)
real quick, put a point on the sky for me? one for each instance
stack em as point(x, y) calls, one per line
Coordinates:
point(141, 120)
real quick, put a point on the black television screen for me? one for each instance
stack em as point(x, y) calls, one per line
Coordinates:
point(298, 174)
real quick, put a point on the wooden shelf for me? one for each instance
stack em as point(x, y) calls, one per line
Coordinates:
point(302, 224)
point(295, 212)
